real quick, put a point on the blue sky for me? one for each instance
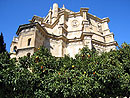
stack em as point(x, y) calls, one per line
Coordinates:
point(17, 12)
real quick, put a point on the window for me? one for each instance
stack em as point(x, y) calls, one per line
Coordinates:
point(15, 48)
point(29, 41)
point(47, 21)
point(28, 54)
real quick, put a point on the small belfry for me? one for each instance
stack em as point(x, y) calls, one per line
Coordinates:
point(63, 32)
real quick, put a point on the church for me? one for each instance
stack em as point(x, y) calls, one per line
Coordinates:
point(63, 32)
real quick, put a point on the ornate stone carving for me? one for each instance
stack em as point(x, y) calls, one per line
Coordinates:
point(64, 33)
point(75, 23)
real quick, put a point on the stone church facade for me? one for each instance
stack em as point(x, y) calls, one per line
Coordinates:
point(63, 32)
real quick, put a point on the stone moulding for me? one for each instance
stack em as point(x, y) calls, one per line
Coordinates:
point(70, 31)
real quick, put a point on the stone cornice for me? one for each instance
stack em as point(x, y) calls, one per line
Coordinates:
point(25, 48)
point(74, 31)
point(69, 13)
point(83, 10)
point(14, 42)
point(21, 27)
point(74, 14)
point(51, 25)
point(50, 35)
point(102, 35)
point(36, 18)
point(62, 37)
point(109, 34)
point(103, 43)
point(99, 19)
point(105, 20)
point(64, 29)
point(67, 10)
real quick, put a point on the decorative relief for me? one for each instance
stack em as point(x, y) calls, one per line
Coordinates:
point(75, 23)
point(74, 34)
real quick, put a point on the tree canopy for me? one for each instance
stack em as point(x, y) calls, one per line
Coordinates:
point(2, 44)
point(88, 75)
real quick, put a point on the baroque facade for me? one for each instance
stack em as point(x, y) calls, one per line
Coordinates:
point(63, 32)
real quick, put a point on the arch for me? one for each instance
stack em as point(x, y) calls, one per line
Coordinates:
point(15, 49)
point(28, 54)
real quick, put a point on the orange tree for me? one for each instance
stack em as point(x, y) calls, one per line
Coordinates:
point(86, 75)
point(89, 74)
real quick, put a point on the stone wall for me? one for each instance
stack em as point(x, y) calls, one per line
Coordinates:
point(64, 32)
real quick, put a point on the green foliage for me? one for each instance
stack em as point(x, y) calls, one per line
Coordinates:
point(2, 44)
point(88, 75)
point(6, 75)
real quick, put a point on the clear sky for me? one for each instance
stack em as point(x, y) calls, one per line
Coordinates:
point(17, 12)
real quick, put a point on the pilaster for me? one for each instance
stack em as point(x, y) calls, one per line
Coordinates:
point(87, 41)
point(86, 26)
point(84, 12)
point(60, 28)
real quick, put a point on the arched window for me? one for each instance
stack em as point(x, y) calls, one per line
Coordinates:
point(28, 54)
point(29, 41)
point(15, 49)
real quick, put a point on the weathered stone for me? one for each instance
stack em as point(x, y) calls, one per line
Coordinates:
point(63, 32)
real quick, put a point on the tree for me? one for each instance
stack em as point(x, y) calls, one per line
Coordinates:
point(2, 44)
point(88, 75)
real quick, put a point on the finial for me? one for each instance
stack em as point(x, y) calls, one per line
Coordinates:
point(63, 6)
point(50, 9)
point(55, 5)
